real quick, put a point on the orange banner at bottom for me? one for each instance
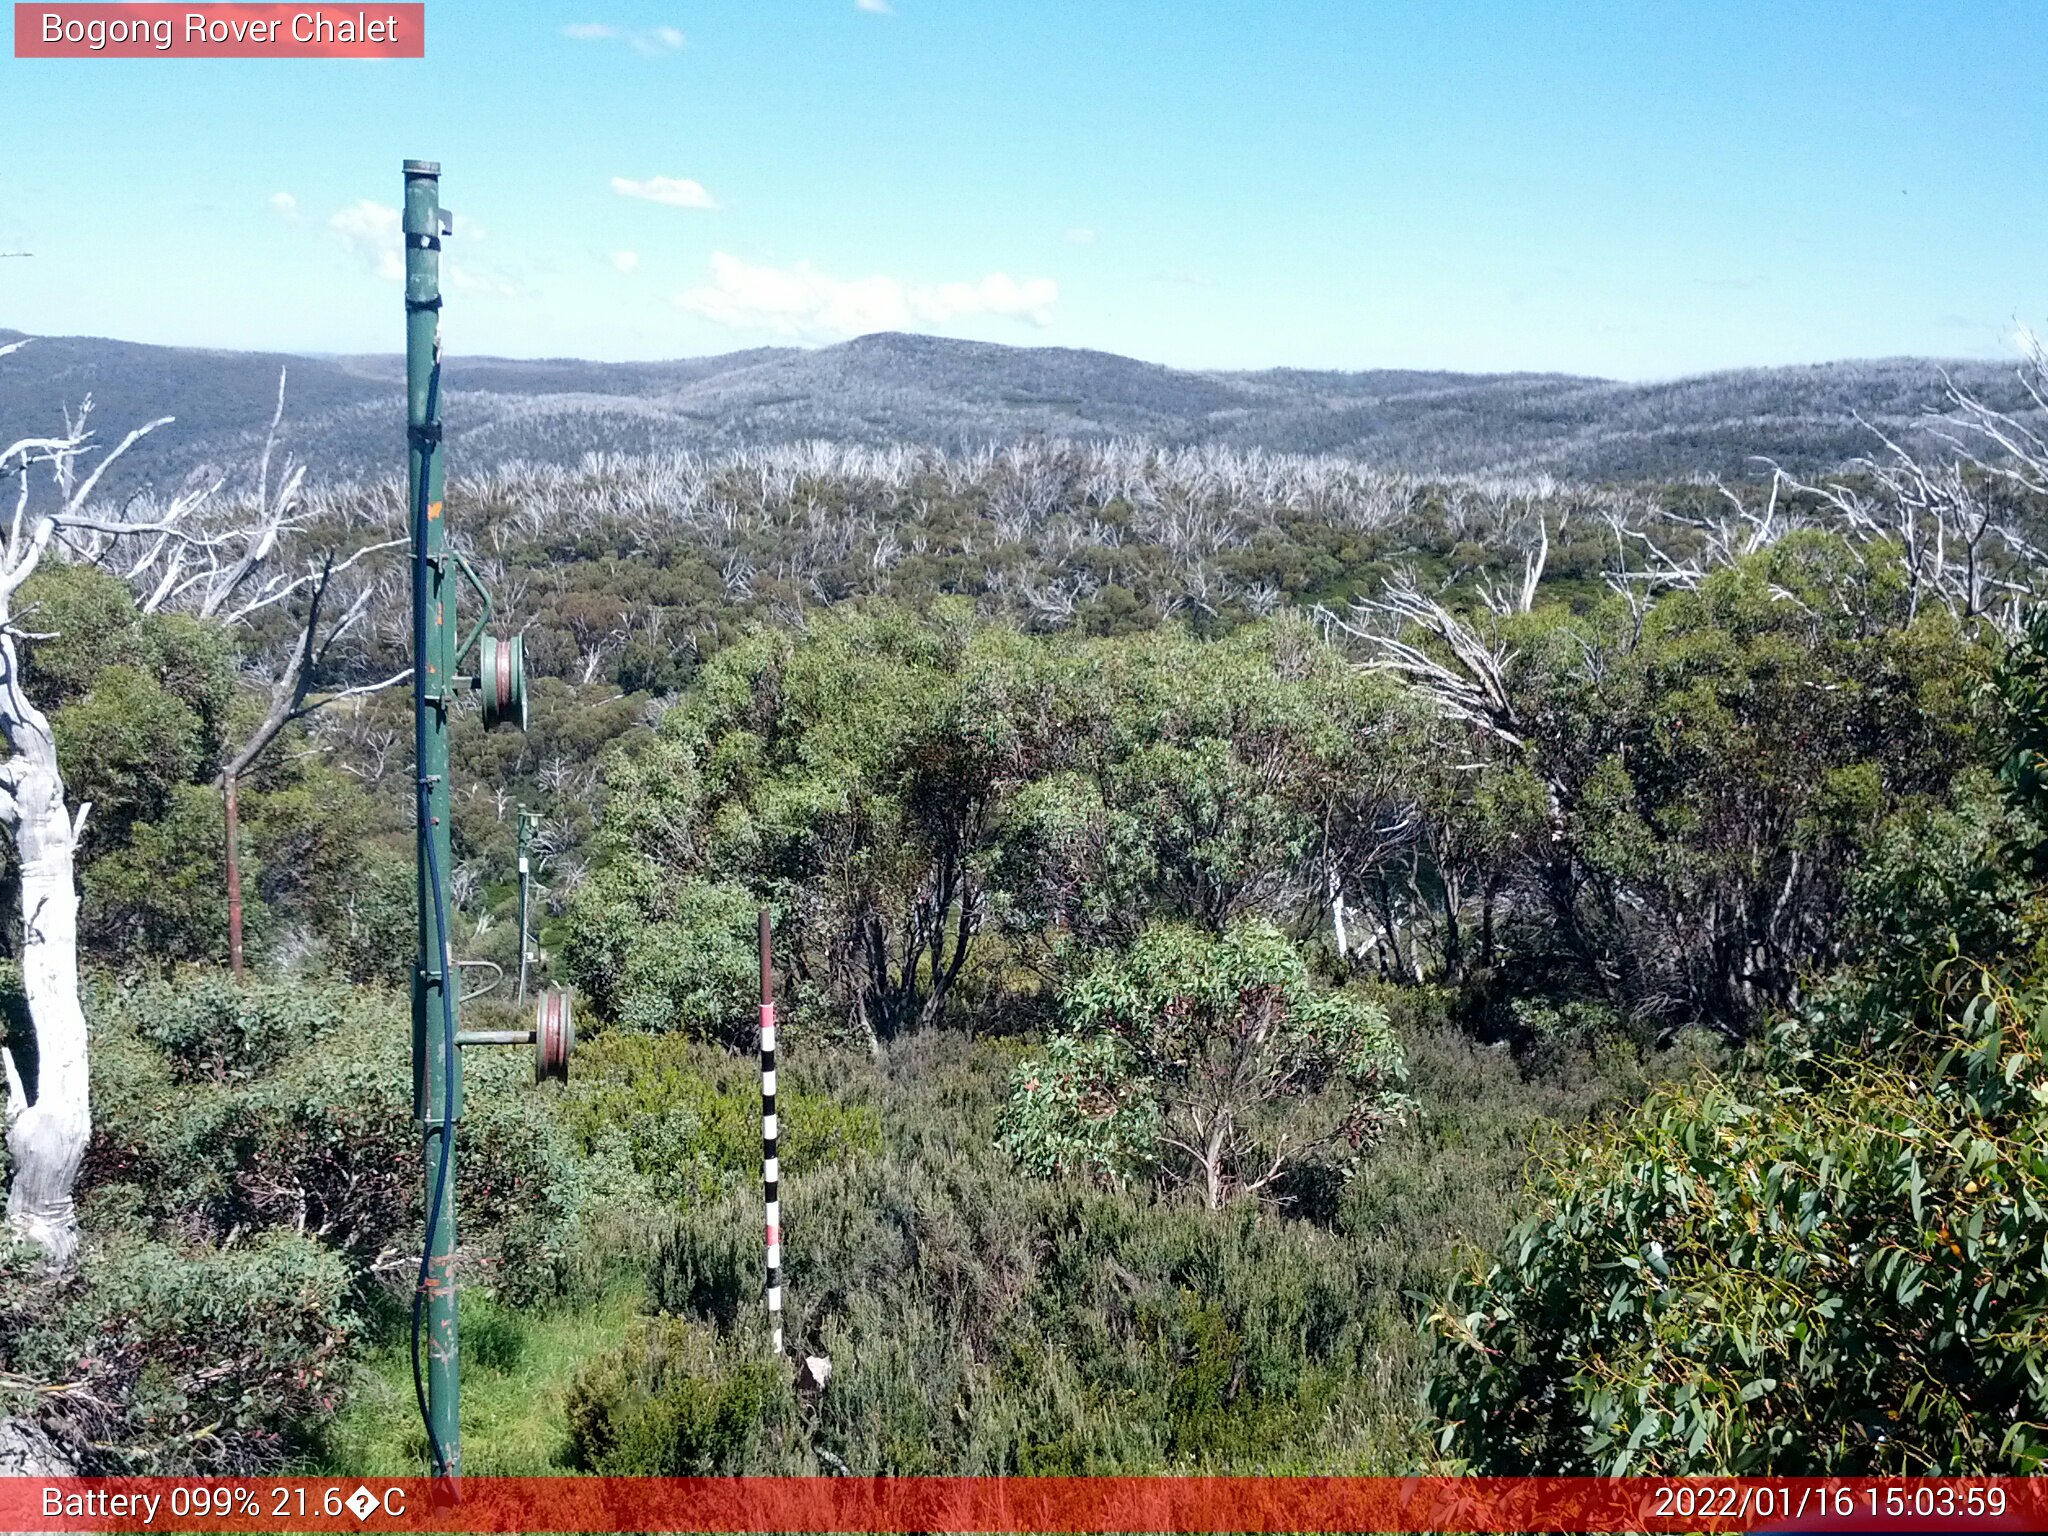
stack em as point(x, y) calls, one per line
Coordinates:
point(1024, 1504)
point(1049, 1504)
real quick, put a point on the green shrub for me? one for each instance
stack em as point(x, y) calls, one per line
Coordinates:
point(530, 1205)
point(979, 1323)
point(1838, 1275)
point(688, 1115)
point(370, 927)
point(175, 1359)
point(709, 1263)
point(215, 1027)
point(160, 891)
point(693, 968)
point(674, 1402)
point(1211, 1061)
point(983, 1326)
point(237, 1107)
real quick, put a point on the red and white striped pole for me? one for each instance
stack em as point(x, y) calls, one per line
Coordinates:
point(771, 1168)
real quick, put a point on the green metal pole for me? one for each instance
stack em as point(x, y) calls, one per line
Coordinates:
point(437, 1064)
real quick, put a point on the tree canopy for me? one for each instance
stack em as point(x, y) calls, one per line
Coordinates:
point(1211, 1060)
point(1838, 1262)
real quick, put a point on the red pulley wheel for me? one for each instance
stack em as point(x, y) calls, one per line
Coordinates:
point(554, 1036)
point(501, 679)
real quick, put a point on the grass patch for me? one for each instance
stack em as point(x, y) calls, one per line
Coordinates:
point(517, 1370)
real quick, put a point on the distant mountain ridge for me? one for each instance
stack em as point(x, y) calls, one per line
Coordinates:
point(344, 413)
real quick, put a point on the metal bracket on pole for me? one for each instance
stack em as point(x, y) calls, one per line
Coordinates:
point(476, 585)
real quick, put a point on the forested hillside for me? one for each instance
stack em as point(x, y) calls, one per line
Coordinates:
point(885, 390)
point(1288, 965)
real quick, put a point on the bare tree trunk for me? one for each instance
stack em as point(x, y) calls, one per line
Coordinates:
point(1392, 928)
point(229, 796)
point(1454, 938)
point(1212, 1165)
point(49, 1121)
point(291, 699)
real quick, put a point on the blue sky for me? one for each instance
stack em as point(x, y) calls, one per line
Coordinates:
point(1638, 190)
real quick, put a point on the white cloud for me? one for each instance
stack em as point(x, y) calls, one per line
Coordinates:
point(374, 232)
point(653, 41)
point(802, 301)
point(1030, 299)
point(285, 204)
point(626, 261)
point(478, 280)
point(875, 7)
point(1080, 236)
point(371, 230)
point(676, 192)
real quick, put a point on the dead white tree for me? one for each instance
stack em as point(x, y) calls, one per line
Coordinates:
point(1957, 521)
point(190, 554)
point(49, 1102)
point(1646, 564)
point(1460, 670)
point(1523, 598)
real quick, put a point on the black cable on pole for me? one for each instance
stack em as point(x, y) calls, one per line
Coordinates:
point(424, 785)
point(442, 1165)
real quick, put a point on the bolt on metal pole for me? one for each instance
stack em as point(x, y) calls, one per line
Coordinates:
point(437, 1066)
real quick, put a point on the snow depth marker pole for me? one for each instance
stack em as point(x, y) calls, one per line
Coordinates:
point(771, 1168)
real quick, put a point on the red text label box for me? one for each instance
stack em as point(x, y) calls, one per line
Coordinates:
point(206, 31)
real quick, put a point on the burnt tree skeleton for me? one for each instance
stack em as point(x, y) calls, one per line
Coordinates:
point(49, 1104)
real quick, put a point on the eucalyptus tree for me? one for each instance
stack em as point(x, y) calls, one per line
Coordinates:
point(237, 564)
point(854, 777)
point(1206, 1061)
point(1831, 1263)
point(1705, 763)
